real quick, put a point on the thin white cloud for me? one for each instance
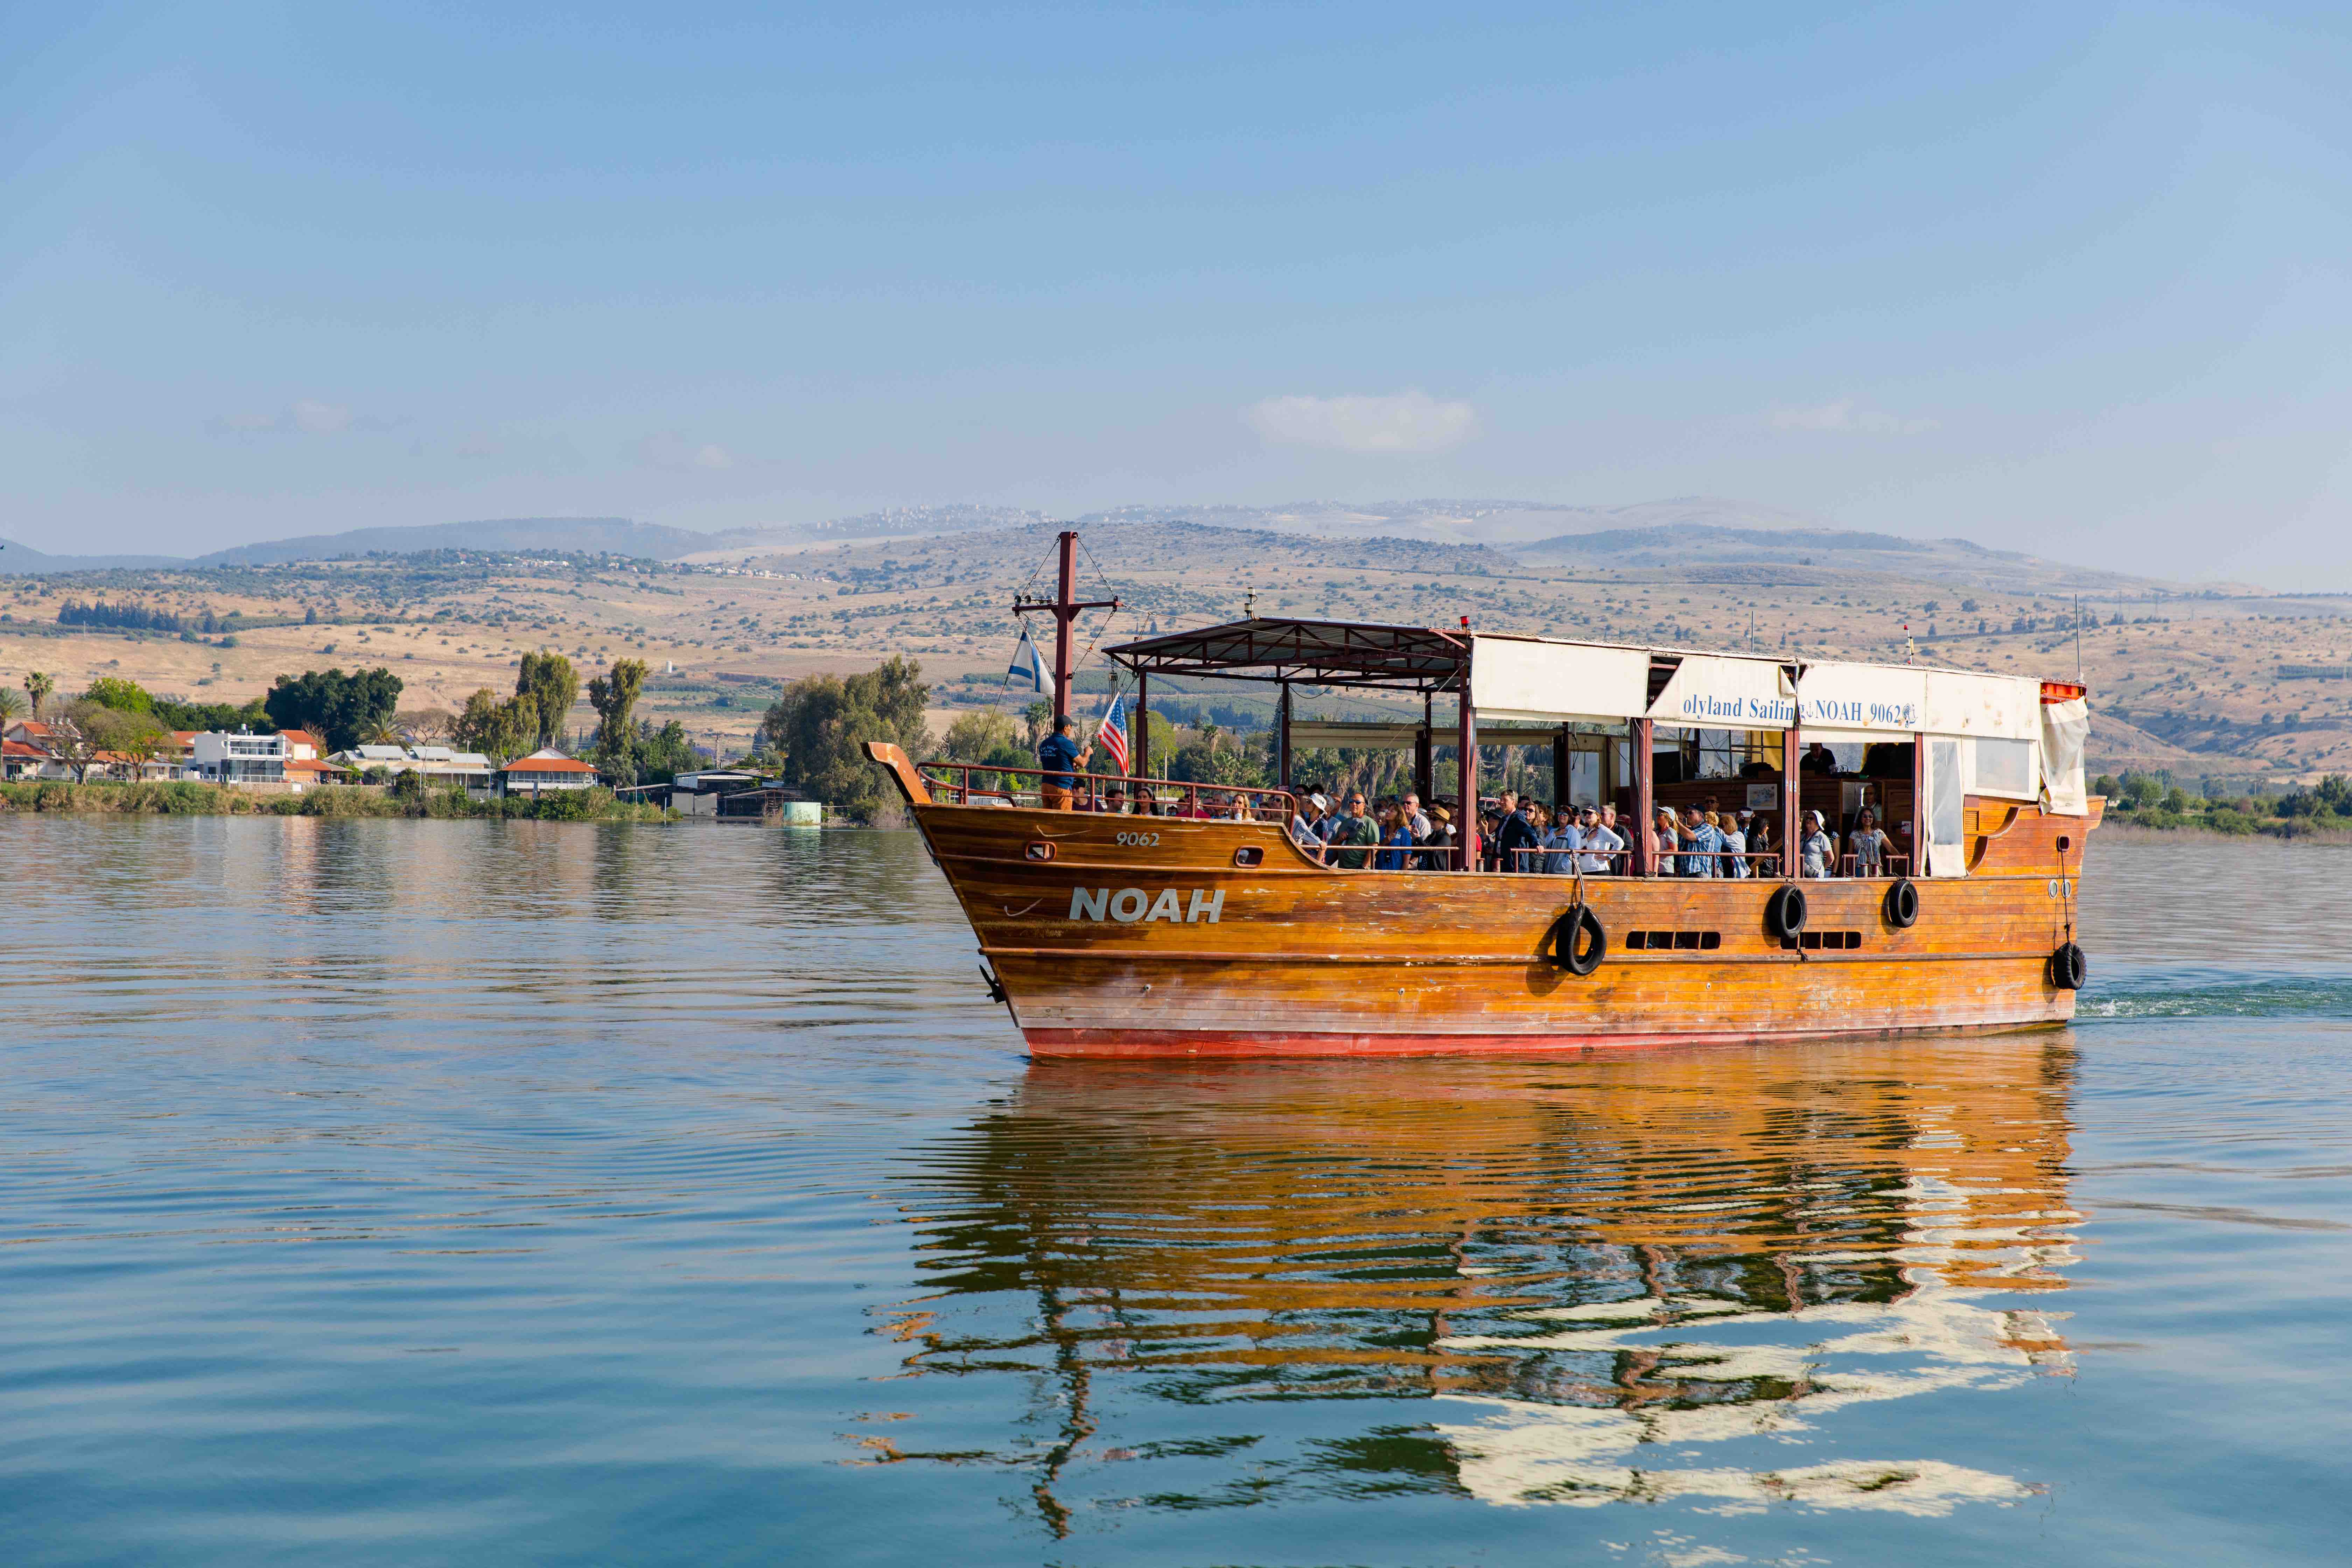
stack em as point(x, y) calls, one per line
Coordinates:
point(1406, 422)
point(313, 418)
point(669, 449)
point(303, 416)
point(1849, 417)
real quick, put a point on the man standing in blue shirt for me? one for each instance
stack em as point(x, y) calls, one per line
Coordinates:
point(1058, 755)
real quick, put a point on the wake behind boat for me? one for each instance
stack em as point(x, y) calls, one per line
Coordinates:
point(1138, 924)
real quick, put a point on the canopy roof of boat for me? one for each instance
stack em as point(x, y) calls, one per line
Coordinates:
point(1316, 653)
point(1514, 676)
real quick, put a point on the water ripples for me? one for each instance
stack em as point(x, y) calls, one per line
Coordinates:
point(536, 1192)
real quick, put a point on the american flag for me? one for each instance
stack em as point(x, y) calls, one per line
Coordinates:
point(1112, 731)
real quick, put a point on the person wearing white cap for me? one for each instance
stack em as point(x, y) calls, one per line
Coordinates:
point(1306, 825)
point(1815, 847)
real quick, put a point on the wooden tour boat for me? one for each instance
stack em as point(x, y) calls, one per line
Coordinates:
point(1113, 933)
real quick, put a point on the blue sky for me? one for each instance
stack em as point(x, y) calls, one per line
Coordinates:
point(2076, 279)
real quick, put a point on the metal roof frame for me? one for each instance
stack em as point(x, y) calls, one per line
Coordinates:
point(1312, 653)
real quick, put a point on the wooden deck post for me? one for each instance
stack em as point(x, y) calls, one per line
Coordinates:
point(1792, 752)
point(1919, 807)
point(1466, 740)
point(1559, 769)
point(1142, 747)
point(1424, 762)
point(1282, 738)
point(1645, 760)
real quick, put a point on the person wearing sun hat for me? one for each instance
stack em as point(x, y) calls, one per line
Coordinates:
point(1305, 824)
point(1815, 849)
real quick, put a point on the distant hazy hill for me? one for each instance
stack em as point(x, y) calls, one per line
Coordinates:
point(1702, 553)
point(1503, 524)
point(898, 522)
point(618, 535)
point(24, 560)
point(1697, 539)
point(1141, 544)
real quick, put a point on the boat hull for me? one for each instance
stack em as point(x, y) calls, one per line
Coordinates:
point(1137, 937)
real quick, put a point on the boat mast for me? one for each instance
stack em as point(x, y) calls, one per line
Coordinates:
point(1067, 609)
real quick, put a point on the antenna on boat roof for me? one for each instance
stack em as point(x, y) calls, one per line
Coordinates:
point(2078, 638)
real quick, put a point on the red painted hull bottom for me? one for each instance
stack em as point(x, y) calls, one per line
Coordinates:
point(1189, 1043)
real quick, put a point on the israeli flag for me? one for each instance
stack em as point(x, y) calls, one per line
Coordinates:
point(1029, 666)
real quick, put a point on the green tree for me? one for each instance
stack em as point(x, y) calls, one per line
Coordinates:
point(1163, 742)
point(1035, 718)
point(652, 756)
point(976, 737)
point(614, 697)
point(552, 685)
point(664, 754)
point(39, 686)
point(821, 725)
point(122, 696)
point(424, 726)
point(337, 708)
point(1211, 756)
point(501, 731)
point(84, 729)
point(212, 715)
point(13, 705)
point(71, 745)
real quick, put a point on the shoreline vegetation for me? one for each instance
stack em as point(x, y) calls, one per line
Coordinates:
point(2151, 806)
point(190, 798)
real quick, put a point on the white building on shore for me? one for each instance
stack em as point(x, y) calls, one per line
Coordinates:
point(442, 768)
point(546, 769)
point(222, 758)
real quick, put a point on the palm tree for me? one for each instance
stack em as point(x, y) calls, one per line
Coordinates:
point(41, 685)
point(12, 705)
point(379, 733)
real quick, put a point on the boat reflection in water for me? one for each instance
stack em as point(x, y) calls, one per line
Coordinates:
point(1522, 1282)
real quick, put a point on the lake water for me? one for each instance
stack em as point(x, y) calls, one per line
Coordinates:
point(421, 1193)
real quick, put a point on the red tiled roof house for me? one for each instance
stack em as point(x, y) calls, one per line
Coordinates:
point(545, 769)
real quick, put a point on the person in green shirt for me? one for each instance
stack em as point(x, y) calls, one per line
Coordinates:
point(1353, 828)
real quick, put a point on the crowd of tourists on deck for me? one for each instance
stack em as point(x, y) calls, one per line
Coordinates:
point(1515, 835)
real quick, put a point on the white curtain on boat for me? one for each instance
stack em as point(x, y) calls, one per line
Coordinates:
point(2065, 727)
point(1946, 795)
point(1528, 679)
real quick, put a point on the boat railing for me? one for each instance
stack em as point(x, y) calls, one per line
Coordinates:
point(1613, 862)
point(985, 784)
point(1752, 863)
point(1889, 866)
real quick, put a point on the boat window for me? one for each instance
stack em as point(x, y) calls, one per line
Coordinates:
point(2004, 767)
point(1665, 940)
point(1683, 755)
point(1815, 941)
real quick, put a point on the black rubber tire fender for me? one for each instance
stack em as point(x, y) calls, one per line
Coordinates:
point(1784, 911)
point(2068, 967)
point(1562, 946)
point(1902, 904)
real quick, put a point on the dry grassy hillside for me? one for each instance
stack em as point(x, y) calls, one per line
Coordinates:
point(2186, 682)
